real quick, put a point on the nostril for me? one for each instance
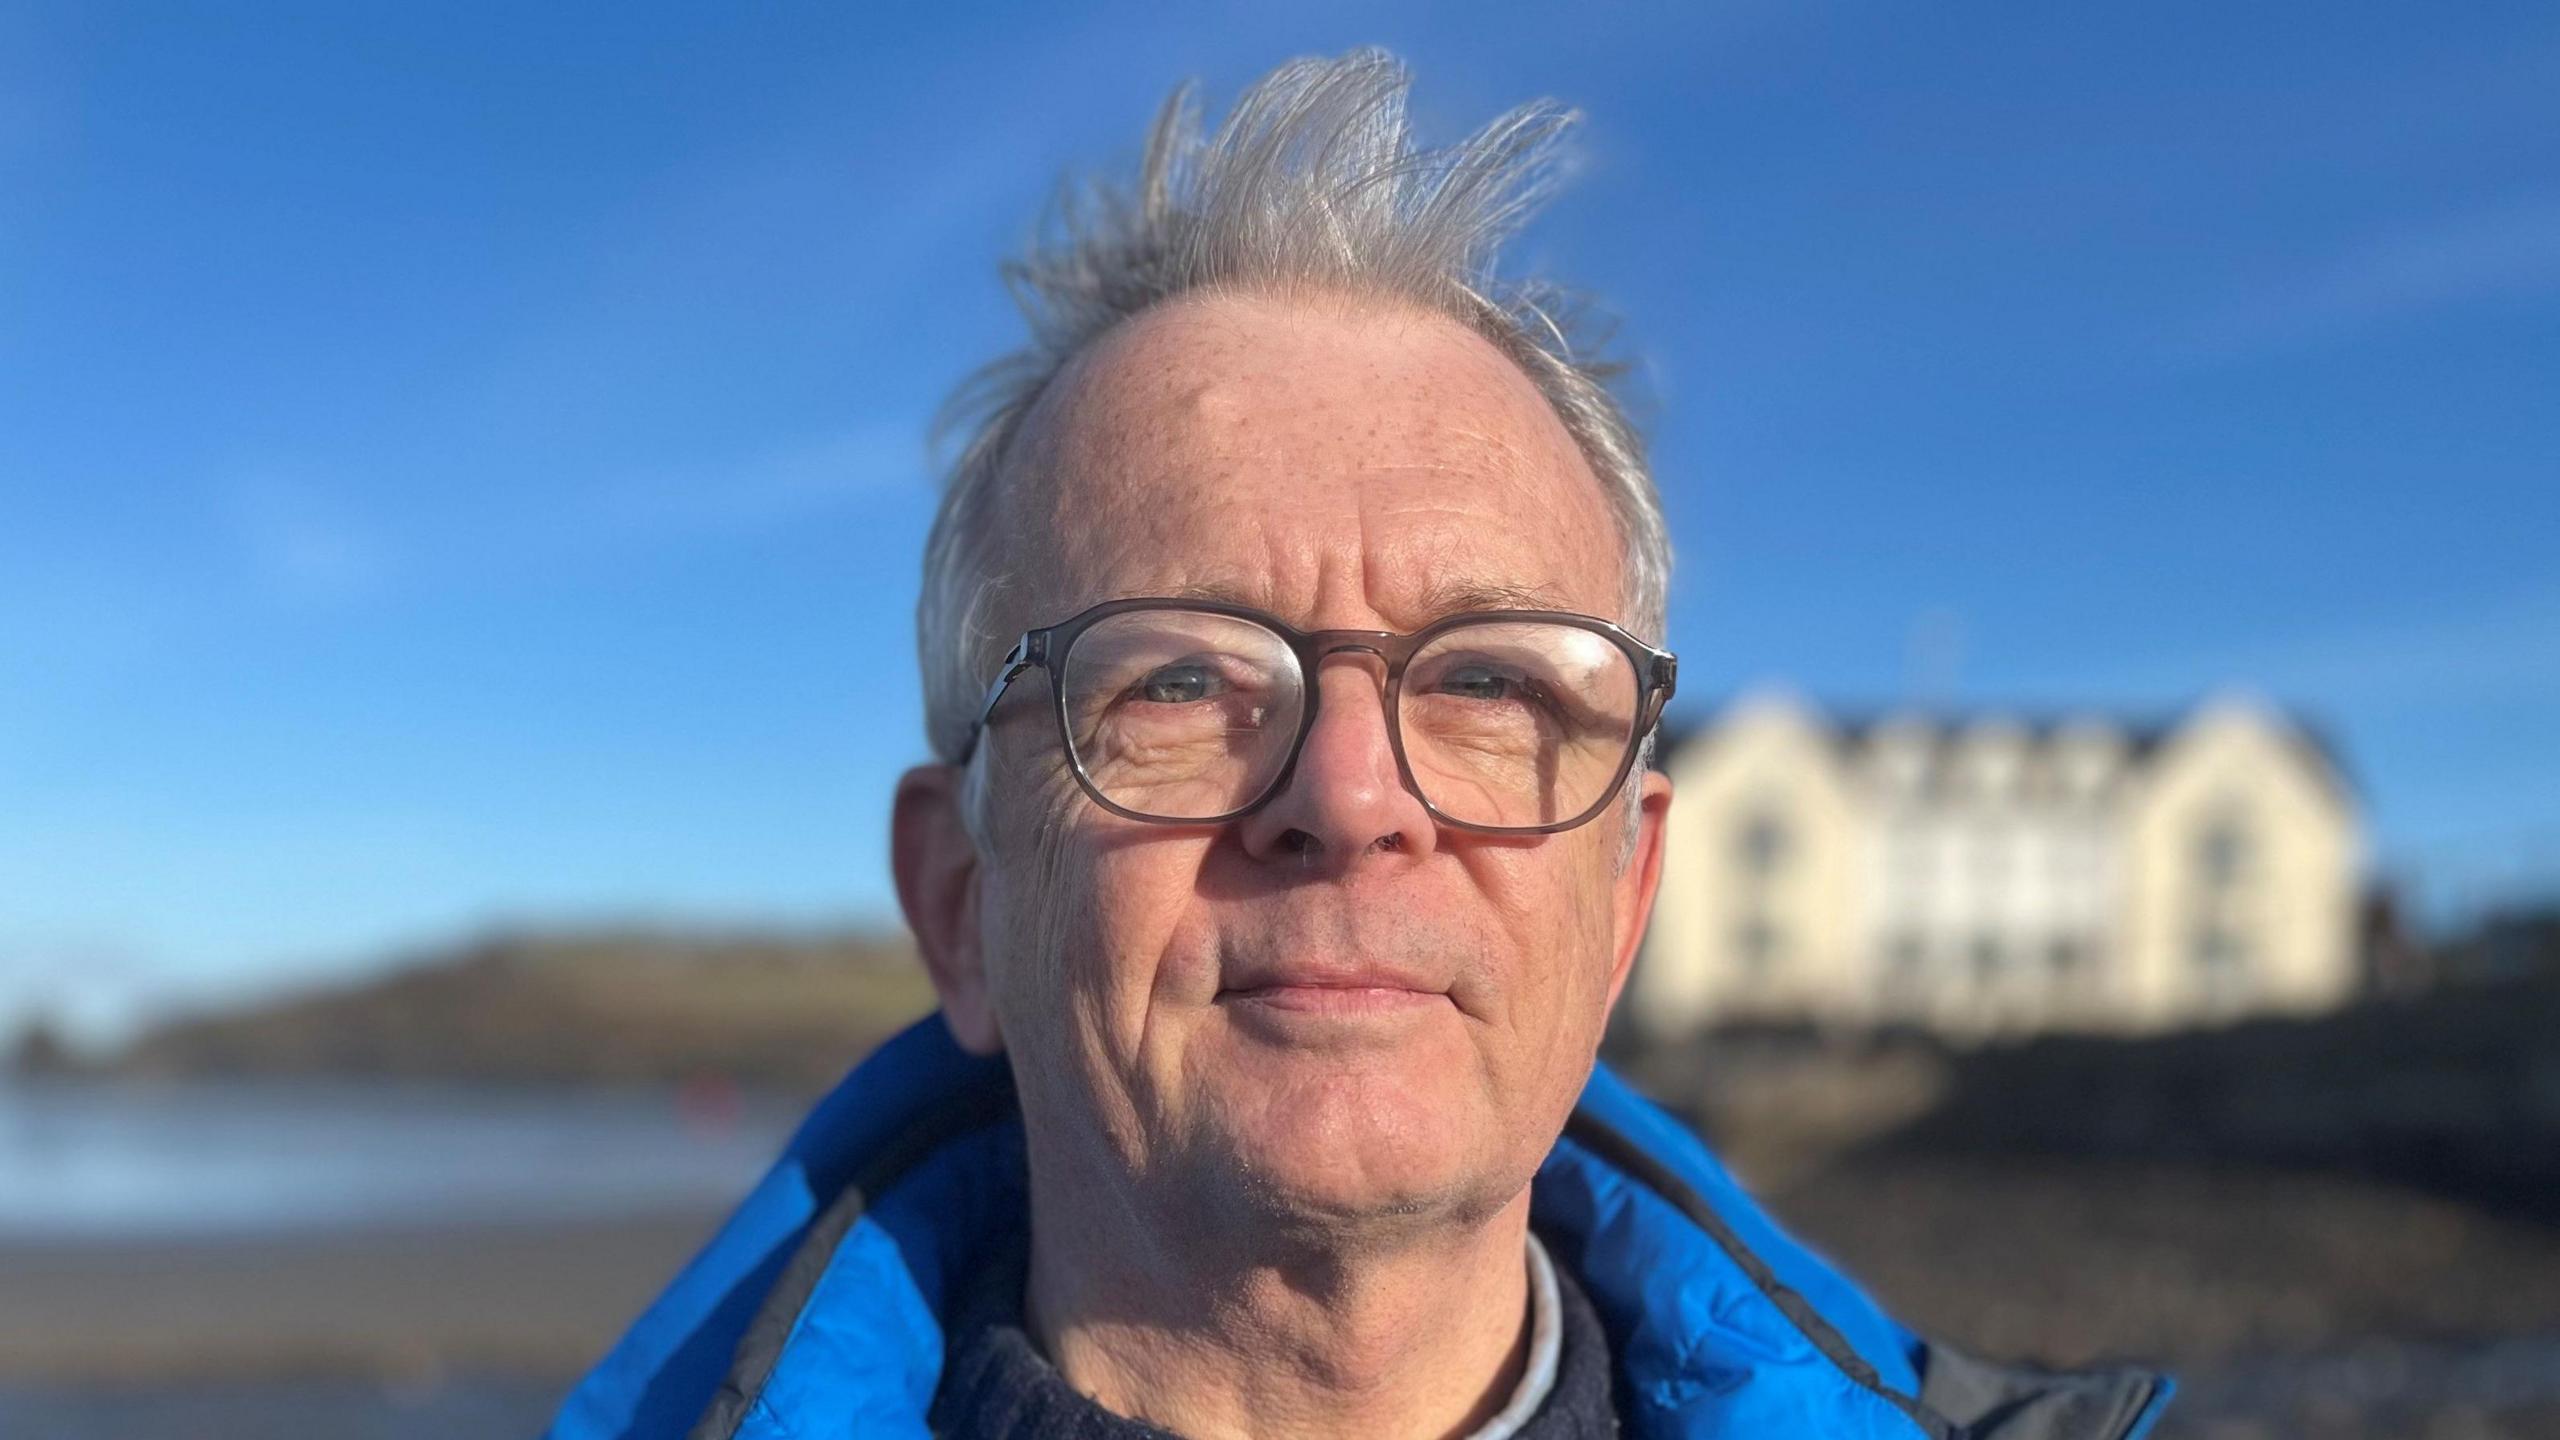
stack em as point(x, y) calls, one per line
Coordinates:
point(1299, 842)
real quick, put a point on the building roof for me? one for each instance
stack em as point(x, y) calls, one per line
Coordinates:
point(1854, 729)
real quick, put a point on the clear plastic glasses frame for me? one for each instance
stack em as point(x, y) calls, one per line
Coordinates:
point(1049, 647)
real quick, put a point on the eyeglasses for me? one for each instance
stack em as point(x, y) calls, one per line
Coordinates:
point(1190, 712)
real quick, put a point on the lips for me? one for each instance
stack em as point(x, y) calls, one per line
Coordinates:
point(1324, 990)
point(1336, 999)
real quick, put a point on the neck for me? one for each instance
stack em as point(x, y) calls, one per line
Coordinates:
point(1424, 1337)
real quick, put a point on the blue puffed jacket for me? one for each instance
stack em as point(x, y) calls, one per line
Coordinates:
point(815, 1311)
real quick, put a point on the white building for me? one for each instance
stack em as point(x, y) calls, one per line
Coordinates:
point(1989, 874)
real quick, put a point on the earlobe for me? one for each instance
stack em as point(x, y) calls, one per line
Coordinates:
point(1638, 881)
point(936, 866)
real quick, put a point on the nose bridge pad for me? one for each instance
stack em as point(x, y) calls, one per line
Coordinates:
point(1360, 650)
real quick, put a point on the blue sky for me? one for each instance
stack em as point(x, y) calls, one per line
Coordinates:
point(465, 464)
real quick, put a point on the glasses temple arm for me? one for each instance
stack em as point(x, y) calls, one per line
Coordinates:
point(1665, 675)
point(1032, 649)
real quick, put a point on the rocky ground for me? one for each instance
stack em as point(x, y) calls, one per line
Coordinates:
point(2288, 1304)
point(2338, 1229)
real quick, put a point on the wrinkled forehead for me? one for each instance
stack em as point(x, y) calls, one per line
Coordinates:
point(1336, 463)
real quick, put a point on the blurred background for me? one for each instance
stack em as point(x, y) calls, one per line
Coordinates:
point(462, 473)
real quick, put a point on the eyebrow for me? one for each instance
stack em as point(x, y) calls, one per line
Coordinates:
point(1448, 597)
point(1220, 591)
point(1438, 597)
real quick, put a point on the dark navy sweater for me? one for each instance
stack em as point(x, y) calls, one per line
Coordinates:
point(996, 1382)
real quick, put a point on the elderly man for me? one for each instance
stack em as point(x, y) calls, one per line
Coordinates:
point(1289, 647)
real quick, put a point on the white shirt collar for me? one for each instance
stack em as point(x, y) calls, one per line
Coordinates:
point(1546, 1343)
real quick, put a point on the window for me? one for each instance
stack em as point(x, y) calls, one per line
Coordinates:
point(1989, 960)
point(1904, 978)
point(2222, 963)
point(2225, 856)
point(2222, 853)
point(1758, 945)
point(2220, 954)
point(1760, 845)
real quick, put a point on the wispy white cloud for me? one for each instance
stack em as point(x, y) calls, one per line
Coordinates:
point(2507, 253)
point(302, 545)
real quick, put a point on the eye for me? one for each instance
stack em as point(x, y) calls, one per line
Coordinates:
point(1480, 682)
point(1182, 684)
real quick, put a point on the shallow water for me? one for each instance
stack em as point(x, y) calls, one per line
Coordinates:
point(105, 1162)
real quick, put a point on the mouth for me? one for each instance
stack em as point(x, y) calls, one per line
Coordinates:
point(1344, 987)
point(1346, 1000)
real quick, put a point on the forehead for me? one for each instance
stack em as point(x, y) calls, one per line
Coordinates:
point(1334, 461)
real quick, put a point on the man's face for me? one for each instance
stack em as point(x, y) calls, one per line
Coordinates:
point(1175, 998)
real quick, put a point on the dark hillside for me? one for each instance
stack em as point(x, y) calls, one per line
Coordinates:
point(616, 1006)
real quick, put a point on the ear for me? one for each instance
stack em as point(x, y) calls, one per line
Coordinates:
point(1638, 880)
point(936, 865)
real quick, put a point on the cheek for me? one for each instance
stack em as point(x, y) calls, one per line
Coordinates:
point(1149, 921)
point(1560, 906)
point(1093, 915)
point(1559, 918)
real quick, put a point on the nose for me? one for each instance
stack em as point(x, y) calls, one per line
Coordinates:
point(1344, 801)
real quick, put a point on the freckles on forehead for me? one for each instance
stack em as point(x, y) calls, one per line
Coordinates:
point(1294, 453)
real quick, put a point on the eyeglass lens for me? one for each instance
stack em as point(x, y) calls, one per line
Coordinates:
point(1187, 715)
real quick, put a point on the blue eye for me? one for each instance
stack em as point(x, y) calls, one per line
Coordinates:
point(1181, 684)
point(1479, 682)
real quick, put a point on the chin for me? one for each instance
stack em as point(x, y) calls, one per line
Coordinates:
point(1349, 1151)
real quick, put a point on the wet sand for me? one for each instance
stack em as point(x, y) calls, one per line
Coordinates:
point(446, 1409)
point(400, 1308)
